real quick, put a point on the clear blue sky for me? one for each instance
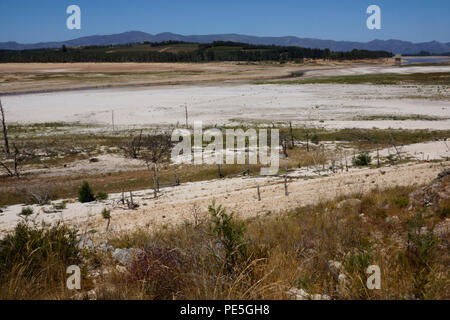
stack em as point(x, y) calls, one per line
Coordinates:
point(29, 21)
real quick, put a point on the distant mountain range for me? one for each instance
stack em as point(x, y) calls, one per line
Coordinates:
point(394, 46)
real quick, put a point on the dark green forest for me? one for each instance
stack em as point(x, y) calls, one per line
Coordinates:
point(175, 51)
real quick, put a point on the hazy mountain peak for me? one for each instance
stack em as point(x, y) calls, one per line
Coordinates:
point(133, 36)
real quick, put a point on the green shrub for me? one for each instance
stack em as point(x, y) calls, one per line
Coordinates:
point(362, 159)
point(420, 255)
point(101, 196)
point(359, 260)
point(315, 139)
point(229, 234)
point(106, 214)
point(32, 252)
point(26, 212)
point(401, 202)
point(85, 193)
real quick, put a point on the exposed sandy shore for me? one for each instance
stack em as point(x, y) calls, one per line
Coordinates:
point(374, 69)
point(177, 204)
point(329, 105)
point(325, 105)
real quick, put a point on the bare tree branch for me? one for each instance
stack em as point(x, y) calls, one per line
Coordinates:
point(5, 130)
point(133, 146)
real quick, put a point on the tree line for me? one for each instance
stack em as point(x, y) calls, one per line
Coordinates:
point(215, 51)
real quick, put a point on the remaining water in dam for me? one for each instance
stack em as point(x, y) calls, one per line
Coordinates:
point(426, 60)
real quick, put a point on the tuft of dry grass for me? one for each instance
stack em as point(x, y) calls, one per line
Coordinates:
point(33, 261)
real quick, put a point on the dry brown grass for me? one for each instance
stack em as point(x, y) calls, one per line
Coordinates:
point(283, 251)
point(13, 191)
point(293, 250)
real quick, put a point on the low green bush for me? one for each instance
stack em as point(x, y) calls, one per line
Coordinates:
point(26, 212)
point(37, 252)
point(401, 202)
point(101, 196)
point(229, 233)
point(362, 159)
point(85, 193)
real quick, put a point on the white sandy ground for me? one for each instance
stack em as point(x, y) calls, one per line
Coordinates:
point(375, 69)
point(106, 163)
point(177, 204)
point(325, 105)
point(436, 150)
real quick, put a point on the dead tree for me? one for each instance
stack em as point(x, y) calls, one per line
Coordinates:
point(112, 120)
point(187, 118)
point(284, 144)
point(286, 192)
point(323, 156)
point(446, 145)
point(259, 193)
point(291, 131)
point(394, 145)
point(6, 168)
point(248, 169)
point(155, 179)
point(133, 146)
point(309, 125)
point(316, 164)
point(130, 203)
point(219, 169)
point(108, 223)
point(378, 158)
point(14, 172)
point(177, 180)
point(5, 130)
point(307, 141)
point(346, 163)
point(40, 194)
point(156, 148)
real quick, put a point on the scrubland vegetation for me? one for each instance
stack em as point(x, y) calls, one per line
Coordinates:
point(322, 249)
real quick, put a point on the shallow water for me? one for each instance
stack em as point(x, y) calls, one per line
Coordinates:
point(426, 60)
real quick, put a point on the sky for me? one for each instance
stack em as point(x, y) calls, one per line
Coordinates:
point(29, 21)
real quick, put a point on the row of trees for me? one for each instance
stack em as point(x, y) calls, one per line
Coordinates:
point(216, 51)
